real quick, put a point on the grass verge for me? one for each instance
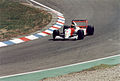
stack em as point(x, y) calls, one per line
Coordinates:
point(17, 19)
point(102, 66)
point(99, 67)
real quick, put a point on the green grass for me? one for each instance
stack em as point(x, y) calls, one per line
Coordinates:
point(17, 19)
point(99, 67)
point(102, 66)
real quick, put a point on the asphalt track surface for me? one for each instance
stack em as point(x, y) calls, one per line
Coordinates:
point(45, 53)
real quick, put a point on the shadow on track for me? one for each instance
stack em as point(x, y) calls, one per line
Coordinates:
point(62, 39)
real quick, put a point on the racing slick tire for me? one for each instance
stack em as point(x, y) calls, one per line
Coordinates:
point(65, 27)
point(55, 33)
point(90, 30)
point(80, 34)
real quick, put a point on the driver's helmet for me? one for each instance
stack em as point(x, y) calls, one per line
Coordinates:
point(72, 25)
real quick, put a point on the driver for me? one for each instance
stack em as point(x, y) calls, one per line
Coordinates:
point(72, 27)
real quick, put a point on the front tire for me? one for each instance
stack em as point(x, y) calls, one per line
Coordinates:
point(55, 33)
point(80, 34)
point(65, 27)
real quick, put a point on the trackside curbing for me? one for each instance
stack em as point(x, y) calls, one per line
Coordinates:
point(59, 23)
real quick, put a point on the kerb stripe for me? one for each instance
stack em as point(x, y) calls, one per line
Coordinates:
point(60, 22)
point(55, 27)
point(24, 39)
point(46, 33)
point(60, 17)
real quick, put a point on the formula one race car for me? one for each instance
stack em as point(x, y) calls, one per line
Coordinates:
point(77, 30)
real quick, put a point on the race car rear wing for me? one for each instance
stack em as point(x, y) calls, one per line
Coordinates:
point(78, 23)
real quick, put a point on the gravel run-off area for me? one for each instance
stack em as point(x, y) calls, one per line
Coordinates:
point(108, 74)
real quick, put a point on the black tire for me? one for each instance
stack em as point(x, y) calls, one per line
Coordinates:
point(80, 34)
point(90, 30)
point(65, 27)
point(55, 33)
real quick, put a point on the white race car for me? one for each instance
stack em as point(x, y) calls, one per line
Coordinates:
point(77, 30)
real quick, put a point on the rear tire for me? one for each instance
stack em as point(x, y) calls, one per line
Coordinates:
point(80, 34)
point(90, 30)
point(55, 33)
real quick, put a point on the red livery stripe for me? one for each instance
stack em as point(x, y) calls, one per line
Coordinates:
point(72, 31)
point(46, 33)
point(24, 39)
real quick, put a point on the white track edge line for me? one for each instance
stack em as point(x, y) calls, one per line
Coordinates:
point(58, 67)
point(55, 67)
